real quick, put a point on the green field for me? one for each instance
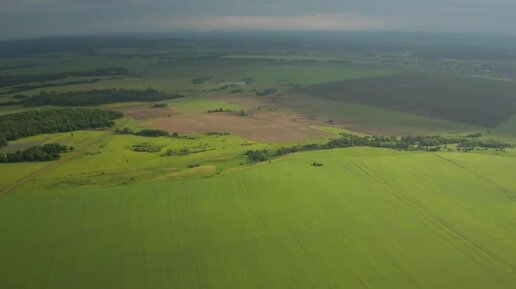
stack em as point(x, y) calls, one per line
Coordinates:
point(469, 100)
point(367, 219)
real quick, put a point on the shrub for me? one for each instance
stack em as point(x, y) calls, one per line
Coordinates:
point(211, 133)
point(146, 147)
point(174, 152)
point(160, 105)
point(152, 133)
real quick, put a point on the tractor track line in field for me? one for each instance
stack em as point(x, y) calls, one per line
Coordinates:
point(76, 153)
point(499, 187)
point(449, 229)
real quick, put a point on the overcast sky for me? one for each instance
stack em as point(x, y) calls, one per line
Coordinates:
point(29, 18)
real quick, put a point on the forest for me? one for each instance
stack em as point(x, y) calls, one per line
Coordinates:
point(97, 97)
point(24, 124)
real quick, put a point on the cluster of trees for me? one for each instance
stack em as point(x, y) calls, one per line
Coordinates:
point(146, 147)
point(146, 132)
point(186, 151)
point(220, 109)
point(152, 133)
point(265, 92)
point(97, 97)
point(124, 130)
point(474, 135)
point(257, 155)
point(24, 124)
point(44, 153)
point(408, 143)
point(468, 145)
point(176, 152)
point(217, 133)
point(3, 140)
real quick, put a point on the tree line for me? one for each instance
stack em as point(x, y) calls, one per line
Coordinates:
point(44, 153)
point(30, 123)
point(267, 91)
point(3, 140)
point(406, 143)
point(10, 80)
point(96, 97)
point(146, 132)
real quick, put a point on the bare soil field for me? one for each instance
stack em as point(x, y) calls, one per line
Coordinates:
point(264, 126)
point(144, 111)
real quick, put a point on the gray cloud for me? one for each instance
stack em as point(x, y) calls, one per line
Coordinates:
point(27, 18)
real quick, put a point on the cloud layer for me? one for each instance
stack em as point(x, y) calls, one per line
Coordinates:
point(27, 18)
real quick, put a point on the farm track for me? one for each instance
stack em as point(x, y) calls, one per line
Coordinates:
point(443, 226)
point(501, 189)
point(76, 153)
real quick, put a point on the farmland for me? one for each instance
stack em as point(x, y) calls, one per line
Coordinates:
point(443, 96)
point(199, 164)
point(368, 218)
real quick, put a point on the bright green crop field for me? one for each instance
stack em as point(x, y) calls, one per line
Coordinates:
point(369, 218)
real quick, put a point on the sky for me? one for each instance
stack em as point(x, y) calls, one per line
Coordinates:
point(36, 18)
